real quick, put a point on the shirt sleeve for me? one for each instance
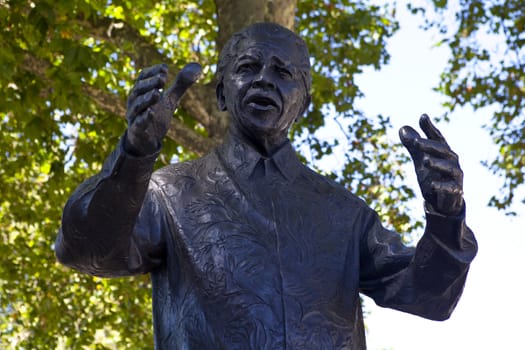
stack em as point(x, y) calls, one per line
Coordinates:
point(113, 224)
point(426, 280)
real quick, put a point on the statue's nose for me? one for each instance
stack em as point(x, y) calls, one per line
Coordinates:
point(264, 79)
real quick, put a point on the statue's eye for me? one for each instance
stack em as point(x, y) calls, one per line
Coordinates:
point(247, 68)
point(284, 73)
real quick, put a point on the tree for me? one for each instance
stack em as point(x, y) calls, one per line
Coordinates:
point(487, 69)
point(66, 67)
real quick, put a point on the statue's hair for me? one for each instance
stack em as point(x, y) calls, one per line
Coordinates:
point(271, 31)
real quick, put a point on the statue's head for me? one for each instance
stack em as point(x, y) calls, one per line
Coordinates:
point(264, 79)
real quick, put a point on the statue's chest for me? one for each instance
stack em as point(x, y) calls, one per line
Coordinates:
point(247, 247)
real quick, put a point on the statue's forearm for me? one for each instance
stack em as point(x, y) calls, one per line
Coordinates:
point(426, 282)
point(98, 219)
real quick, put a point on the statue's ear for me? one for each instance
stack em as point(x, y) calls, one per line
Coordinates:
point(221, 100)
point(306, 103)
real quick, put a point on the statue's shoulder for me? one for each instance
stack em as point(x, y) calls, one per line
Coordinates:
point(329, 187)
point(185, 171)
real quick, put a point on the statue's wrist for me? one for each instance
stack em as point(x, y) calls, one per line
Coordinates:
point(434, 209)
point(139, 149)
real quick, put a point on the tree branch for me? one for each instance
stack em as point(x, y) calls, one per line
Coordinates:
point(145, 54)
point(201, 100)
point(114, 105)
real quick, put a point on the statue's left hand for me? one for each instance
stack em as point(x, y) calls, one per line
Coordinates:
point(437, 167)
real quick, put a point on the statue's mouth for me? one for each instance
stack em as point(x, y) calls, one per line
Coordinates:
point(262, 102)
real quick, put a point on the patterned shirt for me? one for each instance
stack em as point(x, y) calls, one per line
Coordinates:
point(251, 252)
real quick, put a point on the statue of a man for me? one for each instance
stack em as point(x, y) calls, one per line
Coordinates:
point(247, 247)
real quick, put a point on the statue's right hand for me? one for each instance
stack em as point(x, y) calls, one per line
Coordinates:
point(149, 111)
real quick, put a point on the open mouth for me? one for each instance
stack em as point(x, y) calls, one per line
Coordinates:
point(263, 103)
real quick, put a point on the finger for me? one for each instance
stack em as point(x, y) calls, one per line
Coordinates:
point(435, 148)
point(141, 103)
point(186, 77)
point(445, 167)
point(430, 130)
point(152, 71)
point(408, 137)
point(450, 187)
point(145, 85)
point(143, 120)
point(448, 197)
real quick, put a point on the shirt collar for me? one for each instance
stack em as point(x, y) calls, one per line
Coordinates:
point(242, 158)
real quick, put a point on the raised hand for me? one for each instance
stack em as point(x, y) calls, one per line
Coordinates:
point(437, 167)
point(149, 111)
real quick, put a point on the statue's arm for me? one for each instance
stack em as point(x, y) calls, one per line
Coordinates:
point(429, 280)
point(426, 280)
point(112, 225)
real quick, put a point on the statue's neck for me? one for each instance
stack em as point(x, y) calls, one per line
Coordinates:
point(266, 145)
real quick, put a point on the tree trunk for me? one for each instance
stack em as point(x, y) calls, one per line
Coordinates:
point(233, 15)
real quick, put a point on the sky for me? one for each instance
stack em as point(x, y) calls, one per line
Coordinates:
point(489, 314)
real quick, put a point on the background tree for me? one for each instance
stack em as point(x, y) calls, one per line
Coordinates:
point(66, 67)
point(487, 70)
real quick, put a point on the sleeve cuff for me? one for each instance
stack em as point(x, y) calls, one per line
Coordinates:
point(123, 163)
point(450, 230)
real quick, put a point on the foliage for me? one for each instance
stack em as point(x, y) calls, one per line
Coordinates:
point(487, 69)
point(342, 38)
point(65, 69)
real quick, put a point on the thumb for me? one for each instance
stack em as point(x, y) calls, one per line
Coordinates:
point(186, 77)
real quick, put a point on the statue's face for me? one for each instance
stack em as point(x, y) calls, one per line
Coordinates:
point(263, 88)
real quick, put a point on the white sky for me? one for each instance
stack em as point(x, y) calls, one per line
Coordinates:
point(489, 315)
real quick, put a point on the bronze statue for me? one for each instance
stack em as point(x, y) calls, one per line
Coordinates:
point(247, 247)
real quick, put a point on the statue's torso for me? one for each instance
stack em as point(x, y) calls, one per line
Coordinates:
point(251, 269)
